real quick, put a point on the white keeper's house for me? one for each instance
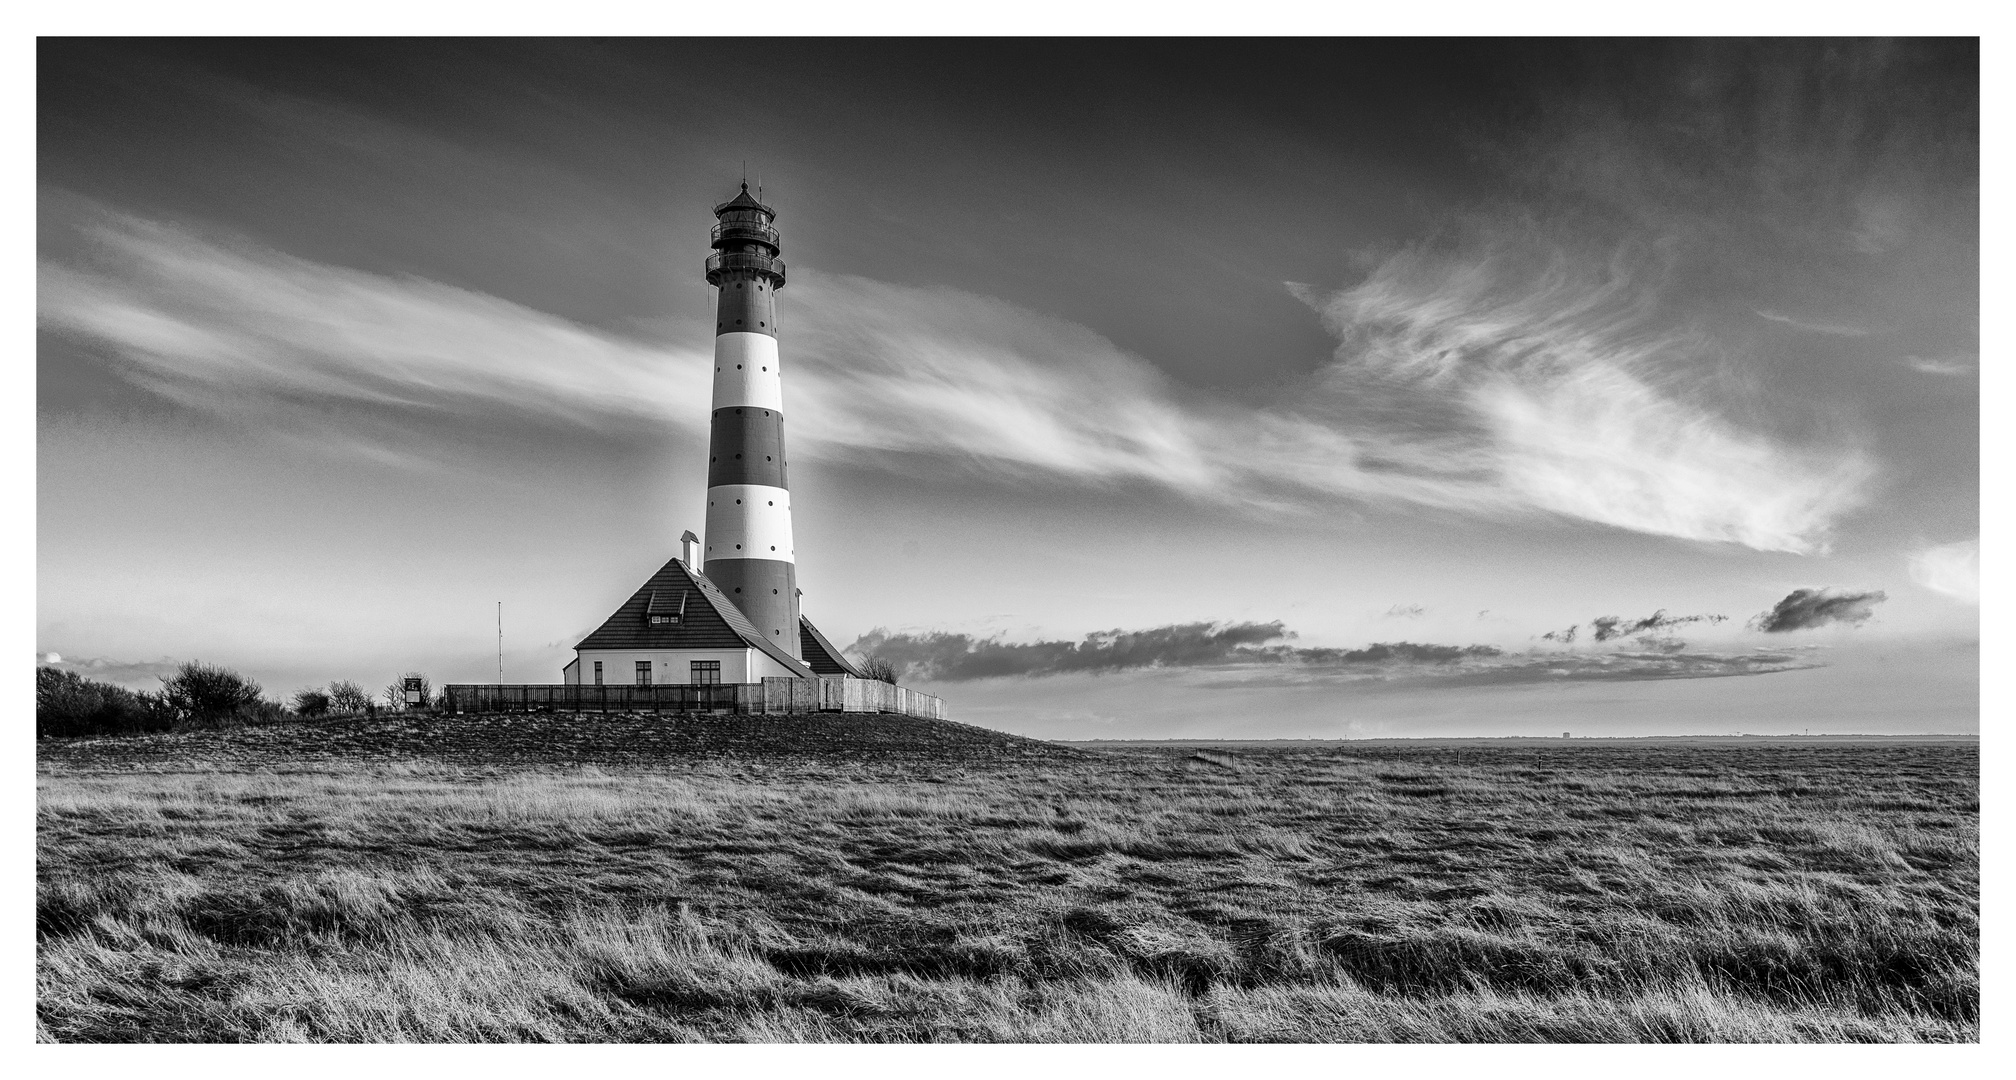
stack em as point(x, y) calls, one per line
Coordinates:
point(681, 628)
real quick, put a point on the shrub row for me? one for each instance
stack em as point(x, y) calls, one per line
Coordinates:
point(198, 695)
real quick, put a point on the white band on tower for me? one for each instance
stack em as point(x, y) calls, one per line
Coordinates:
point(746, 372)
point(749, 521)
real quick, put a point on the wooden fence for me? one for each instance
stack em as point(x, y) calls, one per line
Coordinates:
point(771, 696)
point(836, 694)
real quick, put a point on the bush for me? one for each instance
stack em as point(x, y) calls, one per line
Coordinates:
point(261, 711)
point(877, 668)
point(204, 695)
point(347, 697)
point(69, 705)
point(312, 701)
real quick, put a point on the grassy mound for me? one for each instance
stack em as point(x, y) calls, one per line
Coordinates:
point(554, 739)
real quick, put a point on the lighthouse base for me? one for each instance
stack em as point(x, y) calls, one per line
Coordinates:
point(767, 592)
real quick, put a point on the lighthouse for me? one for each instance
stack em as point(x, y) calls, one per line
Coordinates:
point(749, 551)
point(725, 609)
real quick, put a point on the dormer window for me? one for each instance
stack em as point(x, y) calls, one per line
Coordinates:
point(662, 610)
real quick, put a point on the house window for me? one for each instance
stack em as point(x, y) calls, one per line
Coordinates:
point(598, 672)
point(706, 672)
point(664, 620)
point(643, 673)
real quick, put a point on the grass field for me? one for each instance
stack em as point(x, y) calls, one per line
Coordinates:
point(1329, 892)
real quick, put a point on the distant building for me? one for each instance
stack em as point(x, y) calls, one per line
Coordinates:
point(737, 620)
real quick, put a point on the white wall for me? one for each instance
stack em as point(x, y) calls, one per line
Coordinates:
point(668, 666)
point(766, 668)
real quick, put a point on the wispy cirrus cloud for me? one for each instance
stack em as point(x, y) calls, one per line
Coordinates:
point(1949, 366)
point(235, 327)
point(1836, 329)
point(1473, 386)
point(1553, 373)
point(1952, 570)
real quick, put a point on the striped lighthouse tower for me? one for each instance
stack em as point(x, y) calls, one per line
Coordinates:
point(749, 549)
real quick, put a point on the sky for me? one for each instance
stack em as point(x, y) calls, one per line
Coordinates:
point(1134, 389)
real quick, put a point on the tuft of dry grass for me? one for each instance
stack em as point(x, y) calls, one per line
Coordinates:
point(1145, 894)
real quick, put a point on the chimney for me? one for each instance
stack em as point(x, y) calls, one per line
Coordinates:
point(689, 550)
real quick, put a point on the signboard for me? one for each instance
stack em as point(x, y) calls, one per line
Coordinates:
point(414, 695)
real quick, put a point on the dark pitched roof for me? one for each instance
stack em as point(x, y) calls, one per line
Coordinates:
point(820, 653)
point(707, 619)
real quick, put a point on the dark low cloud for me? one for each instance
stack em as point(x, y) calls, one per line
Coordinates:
point(1404, 652)
point(141, 675)
point(1259, 654)
point(954, 657)
point(950, 657)
point(1669, 661)
point(1611, 626)
point(1804, 609)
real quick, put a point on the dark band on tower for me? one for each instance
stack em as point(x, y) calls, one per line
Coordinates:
point(749, 547)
